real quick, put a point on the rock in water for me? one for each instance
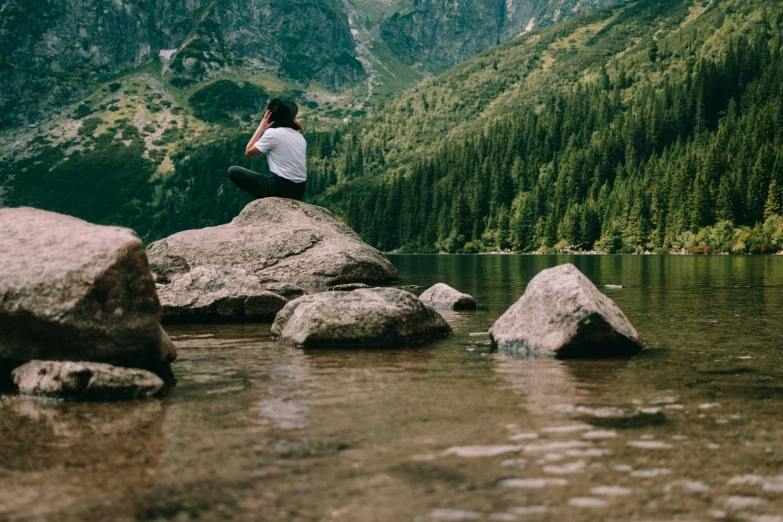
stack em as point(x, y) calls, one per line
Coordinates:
point(563, 314)
point(276, 240)
point(70, 290)
point(366, 317)
point(444, 297)
point(349, 287)
point(209, 293)
point(83, 380)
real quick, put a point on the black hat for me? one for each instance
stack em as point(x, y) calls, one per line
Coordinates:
point(283, 112)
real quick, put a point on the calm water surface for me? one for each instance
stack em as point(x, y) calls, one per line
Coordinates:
point(446, 431)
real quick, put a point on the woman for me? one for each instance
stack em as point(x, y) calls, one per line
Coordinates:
point(286, 151)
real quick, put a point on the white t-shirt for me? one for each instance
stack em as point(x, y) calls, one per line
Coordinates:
point(286, 152)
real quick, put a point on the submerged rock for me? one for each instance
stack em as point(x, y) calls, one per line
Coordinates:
point(84, 380)
point(444, 297)
point(70, 290)
point(350, 287)
point(276, 240)
point(210, 293)
point(563, 314)
point(366, 317)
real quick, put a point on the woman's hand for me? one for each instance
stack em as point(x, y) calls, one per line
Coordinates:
point(250, 150)
point(265, 123)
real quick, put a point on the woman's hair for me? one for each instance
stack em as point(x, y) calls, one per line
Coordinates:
point(293, 124)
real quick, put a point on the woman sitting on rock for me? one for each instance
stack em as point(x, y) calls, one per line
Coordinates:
point(277, 135)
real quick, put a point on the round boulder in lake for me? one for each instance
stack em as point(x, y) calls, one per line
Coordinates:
point(83, 380)
point(276, 240)
point(563, 314)
point(367, 317)
point(444, 297)
point(70, 290)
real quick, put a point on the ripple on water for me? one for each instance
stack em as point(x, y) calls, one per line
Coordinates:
point(738, 503)
point(453, 514)
point(591, 452)
point(531, 510)
point(555, 446)
point(504, 517)
point(600, 434)
point(746, 480)
point(566, 469)
point(480, 451)
point(691, 486)
point(588, 502)
point(533, 483)
point(650, 473)
point(523, 436)
point(649, 444)
point(283, 414)
point(571, 428)
point(611, 491)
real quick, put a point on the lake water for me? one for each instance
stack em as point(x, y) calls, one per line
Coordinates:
point(446, 431)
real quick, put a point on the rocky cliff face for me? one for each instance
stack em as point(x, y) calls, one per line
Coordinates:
point(52, 53)
point(303, 40)
point(447, 32)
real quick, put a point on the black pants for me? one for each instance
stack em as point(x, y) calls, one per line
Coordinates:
point(261, 186)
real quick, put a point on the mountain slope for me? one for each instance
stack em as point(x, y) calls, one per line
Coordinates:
point(446, 33)
point(652, 125)
point(52, 54)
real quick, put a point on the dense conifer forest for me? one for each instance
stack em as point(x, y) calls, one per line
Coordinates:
point(690, 158)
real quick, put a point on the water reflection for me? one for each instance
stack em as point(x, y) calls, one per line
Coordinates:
point(260, 431)
point(45, 442)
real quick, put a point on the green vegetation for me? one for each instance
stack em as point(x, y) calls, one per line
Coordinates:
point(652, 126)
point(181, 83)
point(108, 185)
point(214, 102)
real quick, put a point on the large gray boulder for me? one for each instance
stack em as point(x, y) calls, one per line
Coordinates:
point(372, 317)
point(444, 297)
point(563, 314)
point(219, 293)
point(84, 380)
point(276, 240)
point(70, 290)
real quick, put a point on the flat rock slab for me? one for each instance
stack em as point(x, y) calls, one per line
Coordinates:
point(216, 294)
point(85, 381)
point(376, 317)
point(563, 314)
point(444, 297)
point(276, 240)
point(348, 287)
point(70, 290)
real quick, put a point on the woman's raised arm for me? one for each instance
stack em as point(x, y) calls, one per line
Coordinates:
point(251, 150)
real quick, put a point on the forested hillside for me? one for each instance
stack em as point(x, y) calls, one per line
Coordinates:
point(646, 126)
point(656, 125)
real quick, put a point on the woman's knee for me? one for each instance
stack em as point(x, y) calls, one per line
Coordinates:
point(234, 172)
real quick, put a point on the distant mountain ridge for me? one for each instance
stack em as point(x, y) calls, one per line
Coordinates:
point(54, 53)
point(448, 32)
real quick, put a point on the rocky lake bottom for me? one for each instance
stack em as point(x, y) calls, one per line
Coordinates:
point(256, 430)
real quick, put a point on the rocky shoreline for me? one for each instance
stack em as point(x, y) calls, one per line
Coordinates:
point(83, 304)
